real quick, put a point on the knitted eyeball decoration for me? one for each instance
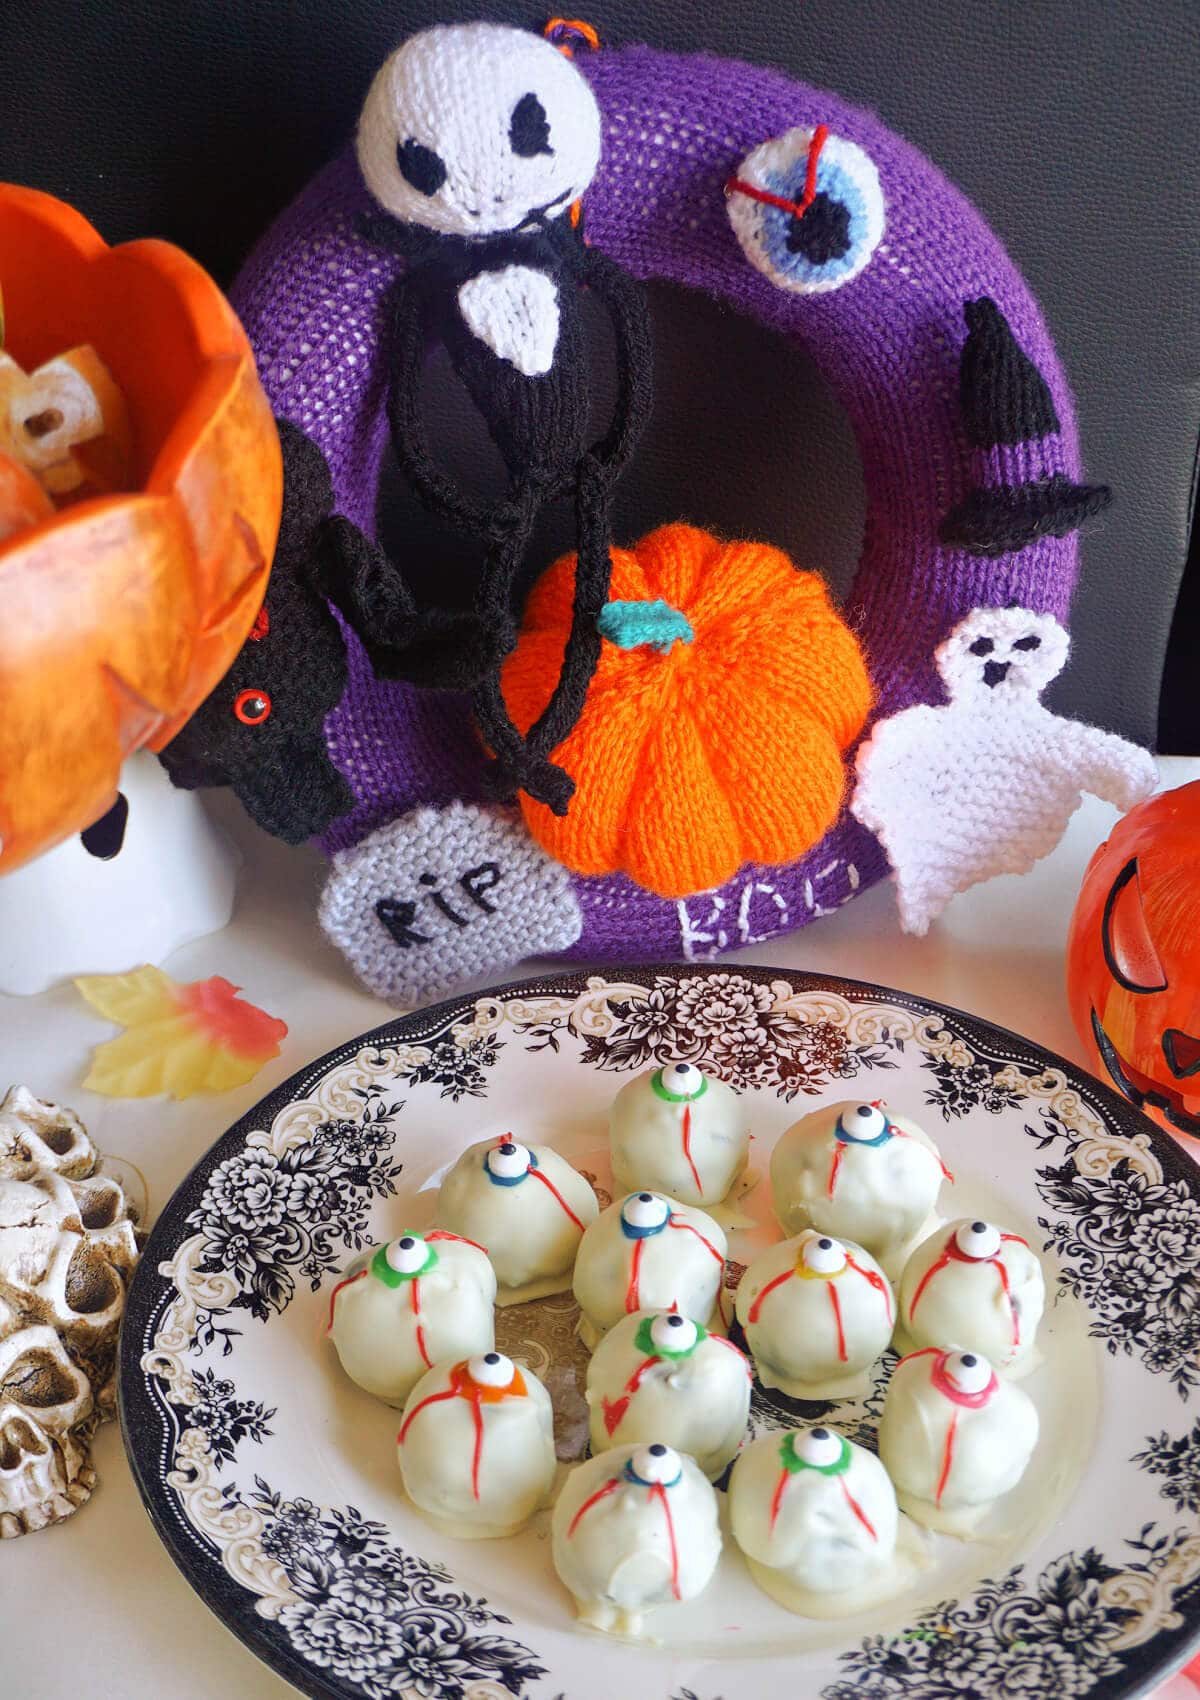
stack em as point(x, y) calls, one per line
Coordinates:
point(807, 209)
point(474, 129)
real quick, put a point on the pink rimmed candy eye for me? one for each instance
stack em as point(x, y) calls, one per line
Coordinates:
point(970, 1372)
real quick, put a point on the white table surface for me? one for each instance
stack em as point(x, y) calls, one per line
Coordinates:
point(94, 1607)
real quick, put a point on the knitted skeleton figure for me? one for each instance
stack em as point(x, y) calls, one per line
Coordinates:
point(986, 784)
point(476, 141)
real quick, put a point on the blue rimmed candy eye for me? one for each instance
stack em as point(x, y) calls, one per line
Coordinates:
point(807, 209)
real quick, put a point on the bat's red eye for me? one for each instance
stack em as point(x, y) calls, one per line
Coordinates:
point(252, 707)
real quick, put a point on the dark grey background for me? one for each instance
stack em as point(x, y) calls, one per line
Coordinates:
point(1072, 125)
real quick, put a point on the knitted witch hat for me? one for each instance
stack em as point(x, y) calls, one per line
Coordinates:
point(1006, 402)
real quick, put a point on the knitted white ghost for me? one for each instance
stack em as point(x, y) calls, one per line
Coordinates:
point(986, 784)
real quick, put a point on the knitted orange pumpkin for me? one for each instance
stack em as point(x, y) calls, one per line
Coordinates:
point(713, 734)
point(120, 613)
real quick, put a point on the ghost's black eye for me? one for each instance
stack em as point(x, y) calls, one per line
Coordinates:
point(1030, 642)
point(982, 646)
point(420, 167)
point(528, 128)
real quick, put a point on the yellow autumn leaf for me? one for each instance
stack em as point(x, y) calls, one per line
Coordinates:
point(180, 1039)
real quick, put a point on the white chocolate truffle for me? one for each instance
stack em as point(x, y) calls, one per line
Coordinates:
point(816, 1312)
point(527, 1205)
point(407, 1305)
point(816, 1517)
point(648, 1252)
point(657, 1375)
point(859, 1171)
point(476, 1446)
point(678, 1131)
point(634, 1529)
point(954, 1437)
point(970, 1280)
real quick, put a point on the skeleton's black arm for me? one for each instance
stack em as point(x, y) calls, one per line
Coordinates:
point(625, 301)
point(406, 419)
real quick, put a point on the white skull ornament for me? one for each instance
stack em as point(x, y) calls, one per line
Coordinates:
point(67, 1249)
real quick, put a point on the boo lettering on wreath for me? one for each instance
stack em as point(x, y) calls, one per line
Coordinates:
point(399, 915)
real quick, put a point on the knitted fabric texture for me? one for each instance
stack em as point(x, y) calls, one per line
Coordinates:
point(442, 895)
point(986, 783)
point(262, 730)
point(723, 751)
point(477, 139)
point(315, 300)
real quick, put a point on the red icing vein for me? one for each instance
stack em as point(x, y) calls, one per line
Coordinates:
point(348, 1282)
point(547, 1182)
point(687, 1146)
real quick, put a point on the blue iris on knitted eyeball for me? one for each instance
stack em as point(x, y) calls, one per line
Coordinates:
point(831, 217)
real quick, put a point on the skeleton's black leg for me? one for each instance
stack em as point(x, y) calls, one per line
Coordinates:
point(525, 761)
point(593, 574)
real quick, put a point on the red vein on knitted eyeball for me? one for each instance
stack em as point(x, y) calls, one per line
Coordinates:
point(738, 185)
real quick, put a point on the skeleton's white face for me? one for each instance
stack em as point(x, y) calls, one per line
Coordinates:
point(1002, 653)
point(476, 129)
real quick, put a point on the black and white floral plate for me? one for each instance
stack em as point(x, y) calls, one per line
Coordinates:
point(272, 1480)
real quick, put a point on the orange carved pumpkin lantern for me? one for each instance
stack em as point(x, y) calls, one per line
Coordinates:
point(120, 613)
point(715, 728)
point(1133, 959)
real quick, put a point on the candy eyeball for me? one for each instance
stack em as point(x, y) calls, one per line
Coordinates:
point(645, 1210)
point(682, 1079)
point(823, 1255)
point(672, 1332)
point(407, 1255)
point(970, 1372)
point(508, 1161)
point(655, 1466)
point(819, 1447)
point(864, 1122)
point(978, 1239)
point(493, 1369)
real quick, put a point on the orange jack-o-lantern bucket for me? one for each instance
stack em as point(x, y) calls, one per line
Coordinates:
point(1133, 959)
point(119, 613)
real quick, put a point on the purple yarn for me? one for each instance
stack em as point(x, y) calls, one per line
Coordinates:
point(887, 343)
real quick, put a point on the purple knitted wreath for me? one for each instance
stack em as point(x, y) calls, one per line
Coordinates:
point(888, 344)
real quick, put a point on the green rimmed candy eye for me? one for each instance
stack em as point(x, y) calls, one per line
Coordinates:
point(668, 1335)
point(822, 1449)
point(679, 1082)
point(403, 1259)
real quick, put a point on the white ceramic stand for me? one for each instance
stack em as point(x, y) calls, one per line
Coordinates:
point(70, 912)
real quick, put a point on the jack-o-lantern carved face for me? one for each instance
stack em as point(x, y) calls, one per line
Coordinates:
point(1133, 959)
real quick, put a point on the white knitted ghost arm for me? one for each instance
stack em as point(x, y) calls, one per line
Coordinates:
point(1107, 766)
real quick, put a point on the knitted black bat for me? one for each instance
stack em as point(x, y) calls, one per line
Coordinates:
point(262, 730)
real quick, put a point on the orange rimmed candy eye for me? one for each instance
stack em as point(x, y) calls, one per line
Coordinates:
point(252, 707)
